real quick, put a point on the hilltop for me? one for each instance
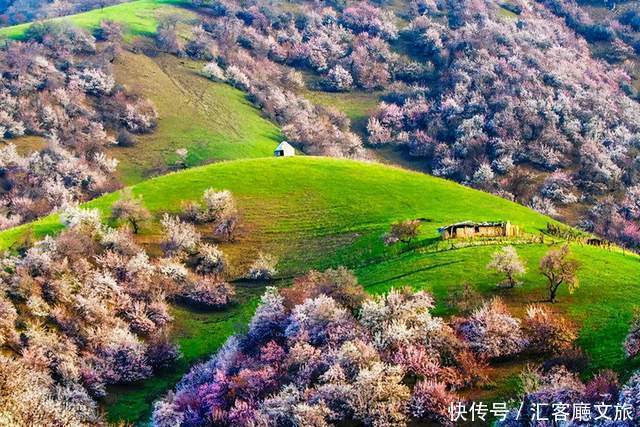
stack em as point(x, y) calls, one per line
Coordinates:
point(320, 213)
point(140, 17)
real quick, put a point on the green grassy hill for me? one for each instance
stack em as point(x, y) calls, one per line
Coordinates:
point(139, 17)
point(319, 213)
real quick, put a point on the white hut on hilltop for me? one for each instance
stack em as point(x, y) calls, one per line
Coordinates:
point(284, 149)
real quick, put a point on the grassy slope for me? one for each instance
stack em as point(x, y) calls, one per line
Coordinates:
point(356, 105)
point(316, 213)
point(213, 121)
point(139, 18)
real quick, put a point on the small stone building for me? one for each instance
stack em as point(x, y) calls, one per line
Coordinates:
point(470, 229)
point(284, 150)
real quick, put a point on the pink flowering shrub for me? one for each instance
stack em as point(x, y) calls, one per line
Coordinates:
point(430, 401)
point(492, 332)
point(546, 331)
point(632, 341)
point(80, 311)
point(322, 352)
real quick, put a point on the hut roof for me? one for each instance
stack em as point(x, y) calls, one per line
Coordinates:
point(472, 224)
point(284, 145)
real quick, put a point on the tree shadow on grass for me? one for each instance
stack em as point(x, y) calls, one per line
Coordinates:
point(410, 273)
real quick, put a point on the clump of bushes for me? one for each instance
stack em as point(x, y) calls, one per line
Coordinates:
point(546, 332)
point(59, 86)
point(208, 293)
point(104, 306)
point(263, 268)
point(323, 351)
point(217, 207)
point(492, 332)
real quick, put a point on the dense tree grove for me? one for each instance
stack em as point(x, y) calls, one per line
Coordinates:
point(323, 352)
point(58, 85)
point(255, 46)
point(87, 309)
point(513, 95)
point(80, 311)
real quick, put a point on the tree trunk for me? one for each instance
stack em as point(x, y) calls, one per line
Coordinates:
point(553, 290)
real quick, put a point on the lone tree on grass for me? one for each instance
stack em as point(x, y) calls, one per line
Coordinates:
point(507, 261)
point(130, 209)
point(402, 231)
point(559, 267)
point(263, 268)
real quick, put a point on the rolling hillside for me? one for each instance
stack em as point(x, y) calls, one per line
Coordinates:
point(316, 213)
point(213, 121)
point(319, 213)
point(139, 18)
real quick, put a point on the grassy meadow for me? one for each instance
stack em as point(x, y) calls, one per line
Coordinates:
point(213, 121)
point(139, 18)
point(320, 213)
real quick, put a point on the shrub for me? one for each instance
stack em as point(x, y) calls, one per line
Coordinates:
point(402, 231)
point(430, 401)
point(574, 359)
point(181, 157)
point(546, 331)
point(130, 209)
point(209, 260)
point(378, 396)
point(339, 284)
point(178, 236)
point(213, 71)
point(88, 220)
point(630, 395)
point(237, 78)
point(217, 204)
point(126, 139)
point(95, 81)
point(603, 388)
point(226, 228)
point(464, 299)
point(632, 341)
point(339, 79)
point(208, 293)
point(161, 353)
point(8, 316)
point(492, 332)
point(166, 35)
point(263, 268)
